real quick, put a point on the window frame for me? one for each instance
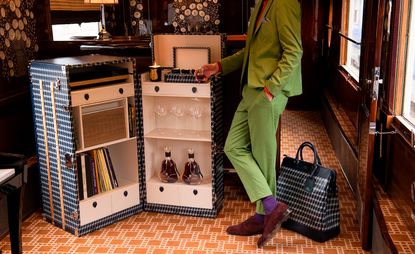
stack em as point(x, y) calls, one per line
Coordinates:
point(72, 5)
point(77, 12)
point(408, 80)
point(345, 39)
point(403, 127)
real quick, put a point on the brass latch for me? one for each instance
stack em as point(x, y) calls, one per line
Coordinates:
point(384, 132)
point(373, 131)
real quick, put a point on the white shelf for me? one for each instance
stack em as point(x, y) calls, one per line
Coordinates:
point(179, 134)
point(123, 185)
point(206, 183)
point(105, 144)
point(180, 194)
point(169, 89)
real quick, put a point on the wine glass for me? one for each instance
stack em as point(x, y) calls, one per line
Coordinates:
point(195, 112)
point(177, 110)
point(160, 110)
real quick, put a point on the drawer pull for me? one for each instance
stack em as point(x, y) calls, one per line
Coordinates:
point(194, 89)
point(121, 91)
point(95, 204)
point(86, 96)
point(157, 89)
point(125, 193)
point(195, 192)
point(161, 189)
point(413, 191)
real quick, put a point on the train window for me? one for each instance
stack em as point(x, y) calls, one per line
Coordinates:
point(408, 110)
point(67, 32)
point(351, 36)
point(73, 19)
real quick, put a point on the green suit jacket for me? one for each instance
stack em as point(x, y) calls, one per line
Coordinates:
point(273, 50)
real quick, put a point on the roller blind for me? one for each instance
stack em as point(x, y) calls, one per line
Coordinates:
point(72, 5)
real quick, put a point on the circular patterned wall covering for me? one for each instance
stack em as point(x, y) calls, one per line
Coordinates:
point(189, 16)
point(196, 16)
point(18, 42)
point(137, 20)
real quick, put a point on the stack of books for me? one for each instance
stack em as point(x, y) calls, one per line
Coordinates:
point(95, 173)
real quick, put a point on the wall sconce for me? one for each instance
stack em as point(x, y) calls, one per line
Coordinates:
point(103, 33)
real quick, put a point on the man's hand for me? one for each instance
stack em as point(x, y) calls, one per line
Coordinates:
point(203, 73)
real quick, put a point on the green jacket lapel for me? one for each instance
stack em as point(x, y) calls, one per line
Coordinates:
point(263, 16)
point(254, 17)
point(250, 32)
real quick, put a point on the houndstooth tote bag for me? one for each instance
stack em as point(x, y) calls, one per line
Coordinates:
point(310, 191)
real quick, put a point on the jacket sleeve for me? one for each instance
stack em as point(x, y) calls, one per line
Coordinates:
point(289, 32)
point(232, 62)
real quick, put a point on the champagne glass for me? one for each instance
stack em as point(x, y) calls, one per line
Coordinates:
point(160, 110)
point(177, 110)
point(195, 112)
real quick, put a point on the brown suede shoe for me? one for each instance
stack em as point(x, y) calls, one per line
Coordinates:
point(249, 227)
point(273, 222)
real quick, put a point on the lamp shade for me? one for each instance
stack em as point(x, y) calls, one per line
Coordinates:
point(101, 1)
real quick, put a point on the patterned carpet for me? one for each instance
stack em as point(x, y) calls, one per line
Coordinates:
point(163, 233)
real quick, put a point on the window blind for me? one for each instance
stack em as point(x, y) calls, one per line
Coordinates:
point(72, 5)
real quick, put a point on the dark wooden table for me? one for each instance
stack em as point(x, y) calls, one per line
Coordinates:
point(11, 186)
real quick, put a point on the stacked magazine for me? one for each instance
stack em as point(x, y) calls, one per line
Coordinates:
point(95, 173)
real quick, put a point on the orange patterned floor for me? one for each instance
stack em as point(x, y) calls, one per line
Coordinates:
point(163, 233)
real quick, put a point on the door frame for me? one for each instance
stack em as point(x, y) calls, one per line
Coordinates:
point(371, 56)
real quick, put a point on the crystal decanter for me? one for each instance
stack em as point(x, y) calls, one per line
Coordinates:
point(168, 173)
point(192, 173)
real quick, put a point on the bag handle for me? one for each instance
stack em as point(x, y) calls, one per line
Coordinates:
point(309, 182)
point(299, 155)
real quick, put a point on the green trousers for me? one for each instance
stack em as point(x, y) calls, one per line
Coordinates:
point(251, 143)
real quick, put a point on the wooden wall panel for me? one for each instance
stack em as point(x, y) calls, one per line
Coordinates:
point(348, 95)
point(344, 152)
point(312, 73)
point(401, 171)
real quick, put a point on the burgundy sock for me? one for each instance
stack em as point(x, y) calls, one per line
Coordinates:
point(269, 203)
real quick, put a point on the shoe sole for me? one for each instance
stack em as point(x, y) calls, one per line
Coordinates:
point(230, 233)
point(285, 217)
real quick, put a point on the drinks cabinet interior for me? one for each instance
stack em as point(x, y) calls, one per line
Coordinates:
point(181, 114)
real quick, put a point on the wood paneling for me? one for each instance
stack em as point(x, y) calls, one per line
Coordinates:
point(159, 16)
point(235, 16)
point(401, 168)
point(312, 60)
point(344, 152)
point(348, 95)
point(16, 128)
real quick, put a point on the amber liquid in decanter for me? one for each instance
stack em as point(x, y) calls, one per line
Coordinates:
point(168, 173)
point(192, 174)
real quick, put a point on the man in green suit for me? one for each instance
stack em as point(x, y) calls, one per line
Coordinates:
point(271, 73)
